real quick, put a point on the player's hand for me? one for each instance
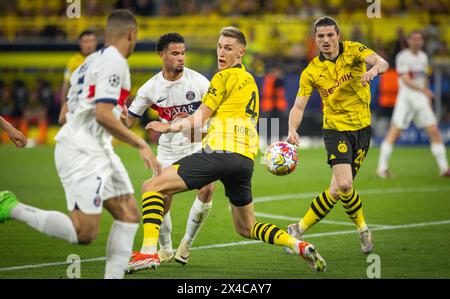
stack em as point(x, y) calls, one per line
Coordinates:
point(158, 126)
point(293, 138)
point(180, 115)
point(149, 158)
point(124, 116)
point(368, 76)
point(16, 137)
point(428, 93)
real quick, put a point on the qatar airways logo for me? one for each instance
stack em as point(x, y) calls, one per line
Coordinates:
point(168, 113)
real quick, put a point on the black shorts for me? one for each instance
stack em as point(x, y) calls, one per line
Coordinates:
point(347, 147)
point(233, 170)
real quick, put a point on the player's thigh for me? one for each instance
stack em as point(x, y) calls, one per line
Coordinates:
point(199, 169)
point(243, 219)
point(339, 147)
point(123, 208)
point(237, 179)
point(361, 145)
point(168, 182)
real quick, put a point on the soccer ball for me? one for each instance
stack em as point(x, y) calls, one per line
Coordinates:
point(281, 158)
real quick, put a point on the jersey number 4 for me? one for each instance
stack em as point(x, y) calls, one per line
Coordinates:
point(251, 106)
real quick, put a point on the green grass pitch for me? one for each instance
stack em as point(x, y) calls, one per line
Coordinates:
point(410, 215)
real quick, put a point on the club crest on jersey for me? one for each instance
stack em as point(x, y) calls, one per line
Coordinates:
point(190, 95)
point(97, 201)
point(114, 80)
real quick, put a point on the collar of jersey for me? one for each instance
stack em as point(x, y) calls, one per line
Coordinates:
point(341, 50)
point(173, 82)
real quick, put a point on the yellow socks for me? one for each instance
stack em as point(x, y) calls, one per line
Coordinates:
point(320, 207)
point(272, 234)
point(353, 207)
point(152, 217)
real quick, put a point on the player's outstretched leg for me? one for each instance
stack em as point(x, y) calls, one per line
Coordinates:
point(51, 223)
point(320, 207)
point(270, 233)
point(197, 216)
point(246, 225)
point(353, 207)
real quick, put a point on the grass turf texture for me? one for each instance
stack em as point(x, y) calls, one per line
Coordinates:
point(407, 252)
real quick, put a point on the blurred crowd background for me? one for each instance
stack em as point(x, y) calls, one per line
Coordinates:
point(37, 40)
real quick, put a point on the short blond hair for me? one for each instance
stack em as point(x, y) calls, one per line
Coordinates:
point(233, 32)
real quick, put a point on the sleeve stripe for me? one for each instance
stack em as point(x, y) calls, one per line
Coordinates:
point(134, 114)
point(106, 100)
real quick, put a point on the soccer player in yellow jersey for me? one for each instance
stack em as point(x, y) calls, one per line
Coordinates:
point(88, 45)
point(339, 74)
point(229, 149)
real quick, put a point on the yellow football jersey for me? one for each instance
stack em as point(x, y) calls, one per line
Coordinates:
point(74, 61)
point(345, 101)
point(233, 97)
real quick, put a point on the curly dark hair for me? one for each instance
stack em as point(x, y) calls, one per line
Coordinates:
point(166, 39)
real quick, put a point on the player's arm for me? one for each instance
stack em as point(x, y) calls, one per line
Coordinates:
point(296, 114)
point(295, 118)
point(62, 114)
point(210, 102)
point(379, 66)
point(66, 81)
point(105, 117)
point(14, 135)
point(106, 97)
point(195, 122)
point(139, 105)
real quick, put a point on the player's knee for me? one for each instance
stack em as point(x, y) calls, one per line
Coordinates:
point(434, 133)
point(150, 185)
point(334, 192)
point(129, 216)
point(205, 194)
point(346, 187)
point(127, 212)
point(87, 236)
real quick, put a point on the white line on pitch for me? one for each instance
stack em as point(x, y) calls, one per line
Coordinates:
point(362, 192)
point(335, 233)
point(95, 259)
point(282, 217)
